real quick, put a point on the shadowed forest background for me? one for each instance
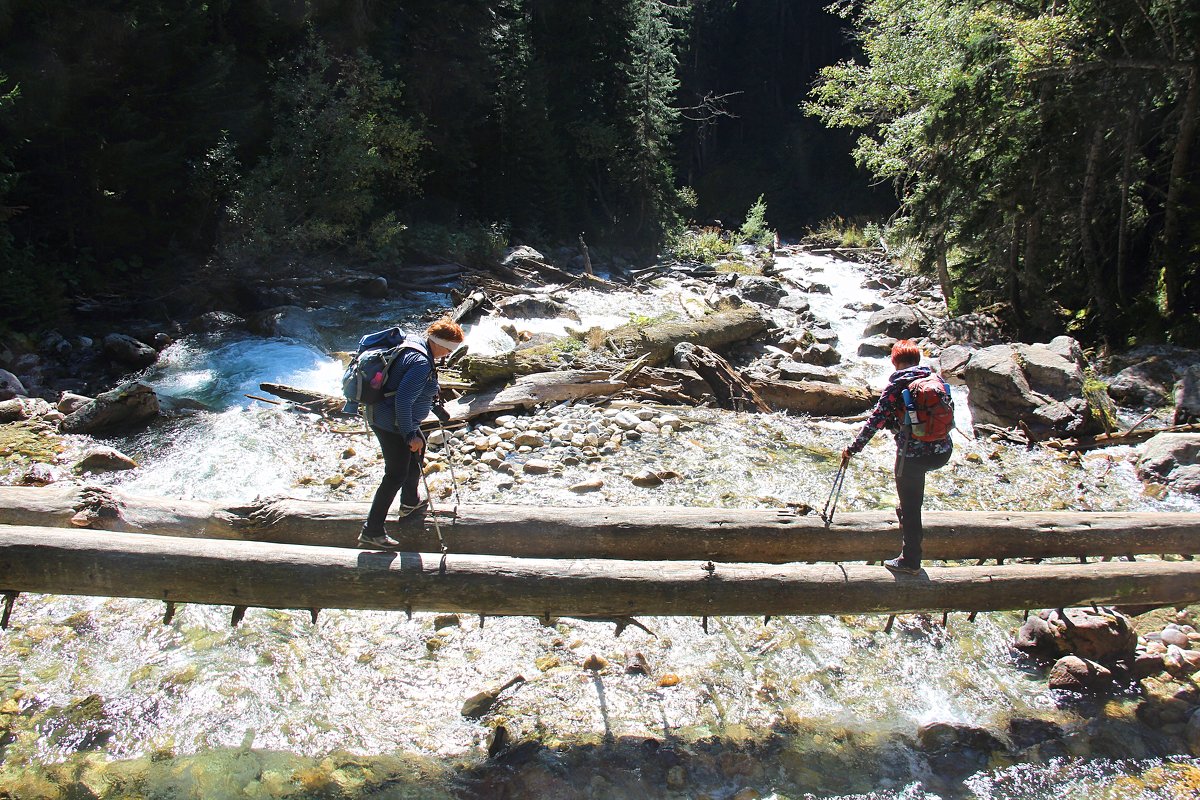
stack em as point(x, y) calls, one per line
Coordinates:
point(1037, 155)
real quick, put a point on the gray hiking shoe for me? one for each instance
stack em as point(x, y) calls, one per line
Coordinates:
point(896, 565)
point(406, 509)
point(376, 540)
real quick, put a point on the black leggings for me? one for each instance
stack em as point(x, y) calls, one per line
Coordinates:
point(401, 473)
point(910, 488)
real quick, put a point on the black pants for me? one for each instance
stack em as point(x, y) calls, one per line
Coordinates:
point(401, 473)
point(910, 488)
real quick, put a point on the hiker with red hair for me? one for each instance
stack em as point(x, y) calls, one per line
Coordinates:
point(917, 408)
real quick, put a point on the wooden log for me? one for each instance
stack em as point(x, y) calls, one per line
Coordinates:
point(624, 344)
point(621, 532)
point(728, 386)
point(814, 397)
point(55, 561)
point(1121, 437)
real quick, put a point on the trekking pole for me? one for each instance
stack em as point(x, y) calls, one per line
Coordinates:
point(437, 528)
point(834, 492)
point(439, 411)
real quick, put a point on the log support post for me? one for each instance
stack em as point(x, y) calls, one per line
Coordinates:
point(239, 612)
point(169, 612)
point(9, 598)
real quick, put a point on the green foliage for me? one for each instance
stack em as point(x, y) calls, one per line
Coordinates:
point(1033, 140)
point(754, 230)
point(472, 244)
point(343, 152)
point(703, 246)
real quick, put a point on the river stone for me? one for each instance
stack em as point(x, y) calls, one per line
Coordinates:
point(1076, 674)
point(529, 439)
point(1172, 458)
point(593, 485)
point(289, 322)
point(876, 347)
point(977, 329)
point(955, 750)
point(529, 306)
point(129, 351)
point(760, 290)
point(626, 420)
point(1172, 635)
point(1105, 636)
point(1192, 732)
point(899, 321)
point(1187, 396)
point(1180, 662)
point(1147, 664)
point(10, 386)
point(70, 402)
point(216, 322)
point(19, 408)
point(794, 303)
point(104, 459)
point(820, 354)
point(646, 479)
point(952, 361)
point(128, 405)
point(792, 370)
point(1144, 385)
point(521, 252)
point(537, 466)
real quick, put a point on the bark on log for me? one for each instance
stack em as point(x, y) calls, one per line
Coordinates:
point(620, 532)
point(627, 343)
point(1121, 437)
point(727, 384)
point(54, 561)
point(814, 397)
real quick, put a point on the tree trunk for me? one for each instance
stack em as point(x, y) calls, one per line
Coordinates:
point(814, 397)
point(1122, 277)
point(652, 533)
point(1087, 241)
point(1174, 259)
point(56, 561)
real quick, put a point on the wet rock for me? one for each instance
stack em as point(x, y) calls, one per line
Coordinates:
point(957, 750)
point(1144, 385)
point(899, 322)
point(1173, 635)
point(595, 663)
point(1147, 664)
point(646, 479)
point(41, 474)
point(1011, 383)
point(676, 778)
point(1076, 674)
point(636, 664)
point(820, 354)
point(70, 402)
point(127, 406)
point(534, 306)
point(976, 329)
point(876, 347)
point(10, 386)
point(216, 322)
point(479, 704)
point(760, 290)
point(104, 459)
point(1172, 458)
point(129, 351)
point(529, 439)
point(537, 466)
point(795, 304)
point(1187, 396)
point(1105, 637)
point(1180, 662)
point(19, 408)
point(796, 371)
point(593, 485)
point(669, 679)
point(823, 335)
point(288, 322)
point(1192, 733)
point(446, 621)
point(952, 361)
point(1025, 732)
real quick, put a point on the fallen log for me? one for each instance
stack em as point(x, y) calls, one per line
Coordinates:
point(619, 532)
point(55, 561)
point(1122, 437)
point(726, 383)
point(814, 397)
point(626, 343)
point(525, 392)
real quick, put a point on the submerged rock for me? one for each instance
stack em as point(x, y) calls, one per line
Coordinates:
point(104, 459)
point(129, 351)
point(1077, 674)
point(1105, 636)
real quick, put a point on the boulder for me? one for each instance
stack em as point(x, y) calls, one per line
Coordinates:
point(876, 347)
point(129, 351)
point(952, 363)
point(1173, 459)
point(534, 306)
point(1105, 636)
point(1076, 674)
point(821, 354)
point(10, 386)
point(794, 303)
point(286, 322)
point(760, 290)
point(128, 405)
point(1144, 385)
point(976, 329)
point(519, 253)
point(19, 408)
point(1009, 383)
point(899, 322)
point(1192, 733)
point(216, 322)
point(791, 370)
point(70, 402)
point(1187, 395)
point(104, 459)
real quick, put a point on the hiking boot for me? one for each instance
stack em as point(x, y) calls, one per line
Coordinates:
point(898, 565)
point(406, 509)
point(377, 540)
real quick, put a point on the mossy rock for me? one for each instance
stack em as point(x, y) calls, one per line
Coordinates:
point(30, 440)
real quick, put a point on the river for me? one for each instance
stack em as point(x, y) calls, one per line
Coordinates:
point(100, 699)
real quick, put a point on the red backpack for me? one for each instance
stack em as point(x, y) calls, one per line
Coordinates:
point(928, 409)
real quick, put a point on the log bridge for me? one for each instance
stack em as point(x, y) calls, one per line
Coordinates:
point(599, 562)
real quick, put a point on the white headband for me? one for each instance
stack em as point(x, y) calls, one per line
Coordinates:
point(446, 343)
